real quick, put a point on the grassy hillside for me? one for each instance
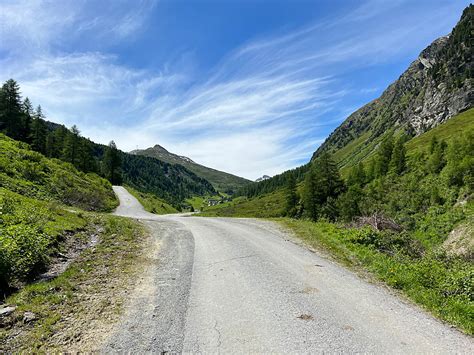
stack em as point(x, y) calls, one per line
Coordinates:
point(89, 296)
point(31, 174)
point(30, 232)
point(451, 129)
point(266, 206)
point(152, 203)
point(260, 206)
point(39, 198)
point(223, 182)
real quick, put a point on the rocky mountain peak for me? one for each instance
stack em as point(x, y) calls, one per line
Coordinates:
point(437, 85)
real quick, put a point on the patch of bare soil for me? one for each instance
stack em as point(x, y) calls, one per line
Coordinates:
point(71, 249)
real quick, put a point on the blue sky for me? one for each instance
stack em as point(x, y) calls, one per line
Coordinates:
point(248, 87)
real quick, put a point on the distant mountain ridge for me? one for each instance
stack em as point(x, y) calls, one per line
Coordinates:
point(435, 87)
point(221, 181)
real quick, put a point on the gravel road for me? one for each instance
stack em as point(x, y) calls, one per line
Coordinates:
point(222, 285)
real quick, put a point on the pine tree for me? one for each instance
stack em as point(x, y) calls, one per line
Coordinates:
point(27, 118)
point(112, 163)
point(384, 156)
point(10, 109)
point(310, 201)
point(370, 173)
point(291, 197)
point(71, 150)
point(87, 160)
point(357, 175)
point(38, 135)
point(437, 159)
point(398, 159)
point(55, 142)
point(349, 202)
point(322, 186)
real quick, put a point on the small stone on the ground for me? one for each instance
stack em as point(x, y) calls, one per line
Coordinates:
point(29, 317)
point(6, 311)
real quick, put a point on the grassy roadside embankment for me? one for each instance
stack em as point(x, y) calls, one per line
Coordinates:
point(75, 310)
point(151, 202)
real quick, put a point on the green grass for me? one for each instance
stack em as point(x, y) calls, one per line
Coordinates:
point(271, 205)
point(152, 203)
point(33, 175)
point(197, 202)
point(89, 293)
point(443, 285)
point(200, 203)
point(30, 232)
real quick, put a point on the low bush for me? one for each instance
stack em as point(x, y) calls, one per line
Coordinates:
point(30, 231)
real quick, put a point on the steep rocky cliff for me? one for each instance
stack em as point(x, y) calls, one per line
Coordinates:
point(435, 87)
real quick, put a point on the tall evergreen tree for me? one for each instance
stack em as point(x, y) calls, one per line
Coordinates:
point(10, 109)
point(384, 156)
point(370, 173)
point(398, 159)
point(28, 114)
point(112, 163)
point(437, 159)
point(71, 150)
point(324, 186)
point(291, 197)
point(357, 175)
point(55, 142)
point(38, 135)
point(86, 160)
point(310, 200)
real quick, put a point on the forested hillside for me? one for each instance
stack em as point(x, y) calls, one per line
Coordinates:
point(222, 181)
point(20, 121)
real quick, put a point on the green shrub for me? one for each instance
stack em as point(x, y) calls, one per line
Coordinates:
point(30, 231)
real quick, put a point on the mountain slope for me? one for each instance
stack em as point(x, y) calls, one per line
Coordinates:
point(31, 174)
point(435, 87)
point(172, 182)
point(222, 181)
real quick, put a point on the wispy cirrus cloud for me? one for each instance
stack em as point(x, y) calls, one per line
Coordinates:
point(263, 108)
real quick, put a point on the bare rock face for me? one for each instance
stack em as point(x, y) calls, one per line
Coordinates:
point(460, 242)
point(435, 87)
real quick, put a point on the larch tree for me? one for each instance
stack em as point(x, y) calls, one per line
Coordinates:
point(112, 164)
point(291, 197)
point(10, 109)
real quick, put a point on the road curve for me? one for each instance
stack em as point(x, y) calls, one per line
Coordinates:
point(221, 285)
